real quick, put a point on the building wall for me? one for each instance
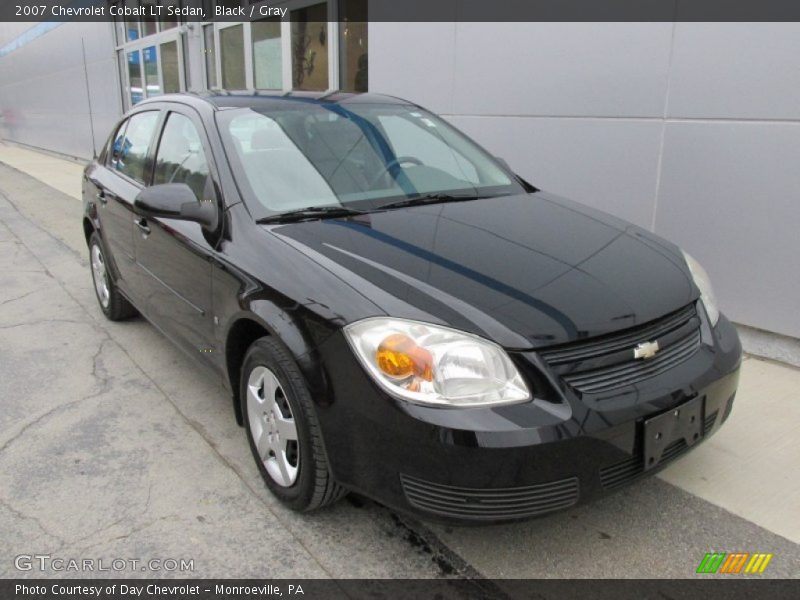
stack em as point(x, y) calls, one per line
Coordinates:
point(43, 87)
point(692, 130)
point(689, 129)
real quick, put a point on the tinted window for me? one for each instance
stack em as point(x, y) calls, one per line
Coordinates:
point(108, 155)
point(418, 137)
point(130, 146)
point(115, 152)
point(180, 157)
point(295, 155)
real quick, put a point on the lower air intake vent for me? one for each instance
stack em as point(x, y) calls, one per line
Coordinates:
point(629, 469)
point(708, 422)
point(490, 503)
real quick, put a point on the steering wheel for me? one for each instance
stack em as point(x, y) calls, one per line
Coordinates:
point(393, 164)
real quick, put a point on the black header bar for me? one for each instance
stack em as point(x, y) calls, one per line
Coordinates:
point(424, 10)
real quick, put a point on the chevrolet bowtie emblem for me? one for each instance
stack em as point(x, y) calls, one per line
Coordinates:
point(645, 350)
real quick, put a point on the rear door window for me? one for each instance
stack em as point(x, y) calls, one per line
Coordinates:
point(114, 151)
point(129, 152)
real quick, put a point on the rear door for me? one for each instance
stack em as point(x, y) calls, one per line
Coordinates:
point(117, 183)
point(175, 257)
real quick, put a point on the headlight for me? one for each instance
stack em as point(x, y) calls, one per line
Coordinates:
point(704, 284)
point(427, 364)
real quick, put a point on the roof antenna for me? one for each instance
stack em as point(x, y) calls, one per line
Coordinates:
point(88, 97)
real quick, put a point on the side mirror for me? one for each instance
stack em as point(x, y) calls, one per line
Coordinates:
point(176, 201)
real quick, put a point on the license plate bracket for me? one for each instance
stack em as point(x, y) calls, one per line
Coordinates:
point(682, 422)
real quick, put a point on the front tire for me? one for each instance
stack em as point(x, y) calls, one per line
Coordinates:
point(113, 304)
point(283, 430)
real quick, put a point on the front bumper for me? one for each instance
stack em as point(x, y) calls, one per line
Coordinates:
point(517, 461)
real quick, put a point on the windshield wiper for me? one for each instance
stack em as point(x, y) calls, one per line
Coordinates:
point(430, 199)
point(310, 212)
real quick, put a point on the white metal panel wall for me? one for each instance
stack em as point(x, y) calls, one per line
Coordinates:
point(690, 129)
point(44, 86)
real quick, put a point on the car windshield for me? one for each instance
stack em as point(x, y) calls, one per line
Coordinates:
point(299, 154)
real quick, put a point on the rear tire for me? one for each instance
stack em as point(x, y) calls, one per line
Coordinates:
point(283, 430)
point(113, 304)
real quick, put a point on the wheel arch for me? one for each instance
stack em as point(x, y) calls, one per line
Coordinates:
point(243, 331)
point(262, 319)
point(88, 228)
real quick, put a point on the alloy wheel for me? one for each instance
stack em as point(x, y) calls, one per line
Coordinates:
point(100, 276)
point(272, 426)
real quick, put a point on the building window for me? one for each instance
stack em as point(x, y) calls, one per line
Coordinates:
point(151, 84)
point(267, 54)
point(152, 53)
point(132, 24)
point(167, 21)
point(135, 77)
point(305, 51)
point(149, 24)
point(353, 54)
point(310, 47)
point(231, 54)
point(170, 71)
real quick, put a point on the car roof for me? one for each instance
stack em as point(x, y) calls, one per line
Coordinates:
point(222, 99)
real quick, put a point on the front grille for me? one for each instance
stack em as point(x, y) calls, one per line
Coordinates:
point(490, 503)
point(625, 471)
point(607, 363)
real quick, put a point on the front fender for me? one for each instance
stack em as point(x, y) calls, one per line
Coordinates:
point(299, 336)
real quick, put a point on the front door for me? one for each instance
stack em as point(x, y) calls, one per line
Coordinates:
point(175, 256)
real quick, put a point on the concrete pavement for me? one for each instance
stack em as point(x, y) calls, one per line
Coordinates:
point(61, 174)
point(113, 443)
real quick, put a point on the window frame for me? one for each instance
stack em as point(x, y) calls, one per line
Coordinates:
point(168, 108)
point(286, 45)
point(168, 112)
point(190, 35)
point(163, 36)
point(105, 156)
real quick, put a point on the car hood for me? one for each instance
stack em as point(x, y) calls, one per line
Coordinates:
point(525, 271)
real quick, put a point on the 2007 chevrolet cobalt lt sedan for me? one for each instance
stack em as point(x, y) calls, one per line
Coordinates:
point(396, 312)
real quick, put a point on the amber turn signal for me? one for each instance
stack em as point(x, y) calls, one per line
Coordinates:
point(398, 356)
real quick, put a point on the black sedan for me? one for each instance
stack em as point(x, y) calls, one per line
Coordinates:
point(396, 313)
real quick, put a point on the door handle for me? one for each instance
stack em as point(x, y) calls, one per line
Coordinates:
point(101, 193)
point(142, 225)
